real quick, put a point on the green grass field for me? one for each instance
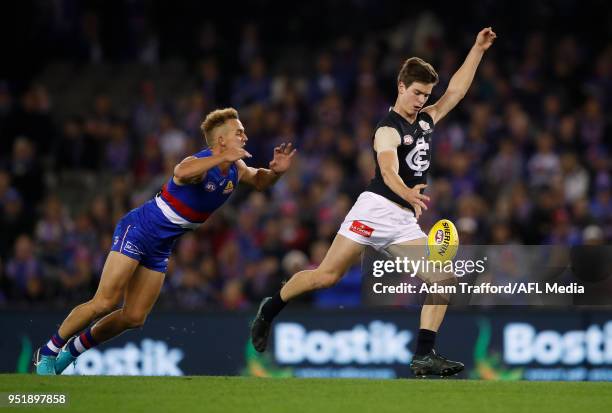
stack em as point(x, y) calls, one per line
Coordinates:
point(242, 394)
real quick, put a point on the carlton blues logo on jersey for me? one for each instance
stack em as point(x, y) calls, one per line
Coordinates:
point(418, 158)
point(413, 153)
point(414, 148)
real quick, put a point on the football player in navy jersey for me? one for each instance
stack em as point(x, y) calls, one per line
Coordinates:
point(385, 214)
point(135, 268)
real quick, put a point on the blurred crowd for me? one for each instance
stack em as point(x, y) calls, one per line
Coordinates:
point(525, 158)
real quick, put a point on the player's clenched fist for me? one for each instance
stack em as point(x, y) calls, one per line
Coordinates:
point(485, 38)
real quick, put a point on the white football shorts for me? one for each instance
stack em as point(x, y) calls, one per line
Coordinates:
point(378, 222)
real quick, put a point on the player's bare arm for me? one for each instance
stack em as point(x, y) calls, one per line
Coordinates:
point(386, 141)
point(192, 169)
point(262, 178)
point(462, 79)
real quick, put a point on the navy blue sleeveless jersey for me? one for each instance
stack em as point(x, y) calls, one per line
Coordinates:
point(413, 153)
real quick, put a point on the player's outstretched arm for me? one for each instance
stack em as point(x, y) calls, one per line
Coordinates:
point(462, 79)
point(262, 178)
point(193, 168)
point(386, 141)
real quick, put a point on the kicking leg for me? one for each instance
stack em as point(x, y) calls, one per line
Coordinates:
point(342, 253)
point(118, 270)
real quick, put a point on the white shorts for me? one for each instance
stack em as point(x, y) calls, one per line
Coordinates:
point(378, 222)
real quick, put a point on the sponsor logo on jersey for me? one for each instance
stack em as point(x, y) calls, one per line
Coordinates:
point(115, 240)
point(210, 186)
point(361, 229)
point(228, 188)
point(408, 139)
point(417, 157)
point(424, 125)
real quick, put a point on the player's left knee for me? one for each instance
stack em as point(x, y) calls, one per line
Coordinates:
point(134, 319)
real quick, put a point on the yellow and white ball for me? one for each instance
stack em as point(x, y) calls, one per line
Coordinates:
point(442, 241)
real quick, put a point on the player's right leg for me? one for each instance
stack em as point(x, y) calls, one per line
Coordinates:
point(140, 295)
point(118, 269)
point(342, 253)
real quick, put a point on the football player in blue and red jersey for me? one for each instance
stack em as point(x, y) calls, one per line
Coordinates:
point(136, 265)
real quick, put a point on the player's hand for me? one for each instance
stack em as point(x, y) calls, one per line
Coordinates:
point(416, 199)
point(233, 154)
point(485, 38)
point(282, 158)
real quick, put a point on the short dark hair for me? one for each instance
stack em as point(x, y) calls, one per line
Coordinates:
point(416, 69)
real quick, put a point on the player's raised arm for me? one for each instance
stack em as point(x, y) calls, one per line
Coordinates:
point(193, 168)
point(262, 178)
point(386, 141)
point(462, 79)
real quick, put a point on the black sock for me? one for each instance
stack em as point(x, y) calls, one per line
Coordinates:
point(273, 307)
point(425, 342)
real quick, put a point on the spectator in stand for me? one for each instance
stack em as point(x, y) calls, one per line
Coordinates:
point(25, 272)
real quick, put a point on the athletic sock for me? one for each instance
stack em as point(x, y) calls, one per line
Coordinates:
point(272, 307)
point(53, 346)
point(82, 343)
point(425, 342)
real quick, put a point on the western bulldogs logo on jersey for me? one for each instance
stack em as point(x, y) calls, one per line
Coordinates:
point(228, 188)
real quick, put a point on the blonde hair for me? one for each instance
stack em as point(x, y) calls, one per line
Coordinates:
point(215, 119)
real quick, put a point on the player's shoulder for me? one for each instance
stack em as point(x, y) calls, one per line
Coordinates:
point(204, 153)
point(390, 119)
point(423, 115)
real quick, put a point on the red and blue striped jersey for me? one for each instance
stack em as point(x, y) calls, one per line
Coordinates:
point(179, 208)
